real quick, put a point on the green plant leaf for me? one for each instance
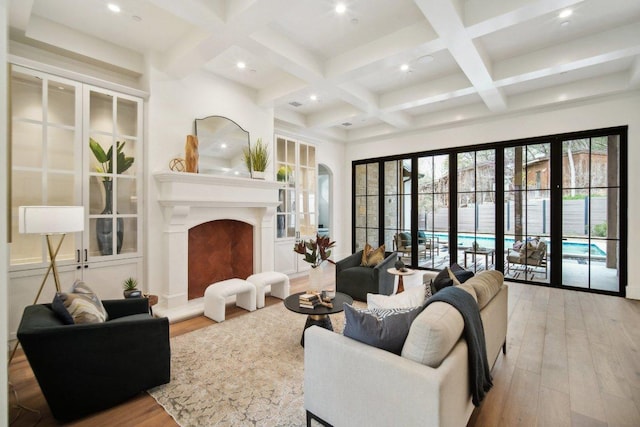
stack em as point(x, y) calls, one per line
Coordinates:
point(98, 152)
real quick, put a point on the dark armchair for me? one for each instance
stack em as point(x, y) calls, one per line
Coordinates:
point(356, 280)
point(86, 368)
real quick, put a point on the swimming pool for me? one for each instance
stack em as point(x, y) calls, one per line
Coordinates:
point(580, 249)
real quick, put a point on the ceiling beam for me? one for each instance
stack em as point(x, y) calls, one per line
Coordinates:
point(445, 20)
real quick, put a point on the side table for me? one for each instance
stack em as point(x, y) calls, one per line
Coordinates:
point(153, 300)
point(400, 275)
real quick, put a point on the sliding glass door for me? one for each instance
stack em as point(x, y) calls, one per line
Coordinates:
point(548, 210)
point(591, 212)
point(527, 229)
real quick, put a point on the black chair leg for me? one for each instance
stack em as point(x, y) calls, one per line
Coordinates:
point(504, 348)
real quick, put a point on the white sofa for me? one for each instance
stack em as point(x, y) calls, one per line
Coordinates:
point(348, 383)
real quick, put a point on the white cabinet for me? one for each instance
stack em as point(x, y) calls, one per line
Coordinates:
point(52, 163)
point(296, 216)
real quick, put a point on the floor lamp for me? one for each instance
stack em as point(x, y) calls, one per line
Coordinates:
point(50, 220)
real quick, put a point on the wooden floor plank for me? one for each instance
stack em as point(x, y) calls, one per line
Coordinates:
point(521, 406)
point(554, 408)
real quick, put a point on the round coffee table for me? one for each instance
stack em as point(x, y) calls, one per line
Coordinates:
point(319, 315)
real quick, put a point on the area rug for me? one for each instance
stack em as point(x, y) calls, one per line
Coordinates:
point(246, 371)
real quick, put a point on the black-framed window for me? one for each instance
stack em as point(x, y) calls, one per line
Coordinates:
point(523, 204)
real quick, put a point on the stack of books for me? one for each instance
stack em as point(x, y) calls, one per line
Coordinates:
point(308, 300)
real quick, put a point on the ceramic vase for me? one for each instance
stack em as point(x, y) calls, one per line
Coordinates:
point(316, 277)
point(104, 226)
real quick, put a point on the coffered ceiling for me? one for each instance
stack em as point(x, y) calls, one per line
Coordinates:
point(464, 59)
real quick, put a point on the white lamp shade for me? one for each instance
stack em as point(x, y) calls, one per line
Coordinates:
point(50, 219)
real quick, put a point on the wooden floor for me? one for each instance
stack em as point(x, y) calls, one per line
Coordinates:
point(573, 359)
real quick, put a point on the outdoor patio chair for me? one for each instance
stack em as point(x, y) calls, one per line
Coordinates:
point(530, 258)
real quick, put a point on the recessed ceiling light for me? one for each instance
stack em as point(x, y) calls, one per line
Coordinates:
point(404, 67)
point(241, 65)
point(113, 7)
point(565, 13)
point(341, 8)
point(313, 97)
point(223, 145)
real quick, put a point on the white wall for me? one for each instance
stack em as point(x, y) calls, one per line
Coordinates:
point(172, 107)
point(603, 113)
point(4, 249)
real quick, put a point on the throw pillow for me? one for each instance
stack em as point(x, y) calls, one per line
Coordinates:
point(365, 254)
point(374, 257)
point(411, 297)
point(79, 305)
point(442, 280)
point(386, 329)
point(459, 275)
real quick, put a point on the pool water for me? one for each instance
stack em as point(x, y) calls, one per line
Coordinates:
point(568, 248)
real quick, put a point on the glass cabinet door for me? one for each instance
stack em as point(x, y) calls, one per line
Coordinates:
point(113, 129)
point(45, 157)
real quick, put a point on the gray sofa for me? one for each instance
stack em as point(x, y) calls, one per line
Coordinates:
point(348, 383)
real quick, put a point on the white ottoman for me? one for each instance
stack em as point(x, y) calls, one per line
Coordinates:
point(215, 297)
point(278, 283)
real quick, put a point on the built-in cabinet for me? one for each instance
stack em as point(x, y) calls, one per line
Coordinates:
point(53, 121)
point(297, 213)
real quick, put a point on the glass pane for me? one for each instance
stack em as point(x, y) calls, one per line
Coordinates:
point(361, 180)
point(281, 225)
point(311, 156)
point(538, 213)
point(129, 235)
point(281, 150)
point(373, 178)
point(26, 190)
point(62, 104)
point(101, 113)
point(576, 163)
point(291, 225)
point(60, 190)
point(604, 265)
point(361, 211)
point(466, 171)
point(61, 149)
point(575, 213)
point(605, 213)
point(485, 212)
point(127, 118)
point(105, 142)
point(27, 144)
point(372, 237)
point(26, 96)
point(391, 219)
point(126, 157)
point(361, 238)
point(304, 160)
point(575, 262)
point(425, 212)
point(97, 194)
point(291, 152)
point(466, 213)
point(538, 169)
point(605, 160)
point(372, 211)
point(127, 196)
point(405, 211)
point(391, 182)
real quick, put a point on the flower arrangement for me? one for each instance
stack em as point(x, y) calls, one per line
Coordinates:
point(315, 251)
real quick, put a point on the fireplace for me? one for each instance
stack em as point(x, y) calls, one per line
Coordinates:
point(190, 200)
point(219, 250)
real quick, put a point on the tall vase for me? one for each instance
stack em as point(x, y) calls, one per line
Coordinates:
point(316, 278)
point(104, 226)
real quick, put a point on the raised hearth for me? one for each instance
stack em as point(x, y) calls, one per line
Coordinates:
point(188, 200)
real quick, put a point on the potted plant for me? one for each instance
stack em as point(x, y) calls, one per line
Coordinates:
point(103, 225)
point(131, 288)
point(256, 159)
point(315, 253)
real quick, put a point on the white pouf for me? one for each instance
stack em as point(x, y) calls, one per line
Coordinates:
point(215, 297)
point(278, 283)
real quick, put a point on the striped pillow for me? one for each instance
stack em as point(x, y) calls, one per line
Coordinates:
point(385, 328)
point(80, 305)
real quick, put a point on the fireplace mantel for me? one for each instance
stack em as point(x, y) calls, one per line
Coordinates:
point(189, 199)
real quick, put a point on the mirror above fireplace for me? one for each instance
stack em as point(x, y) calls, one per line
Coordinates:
point(220, 146)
